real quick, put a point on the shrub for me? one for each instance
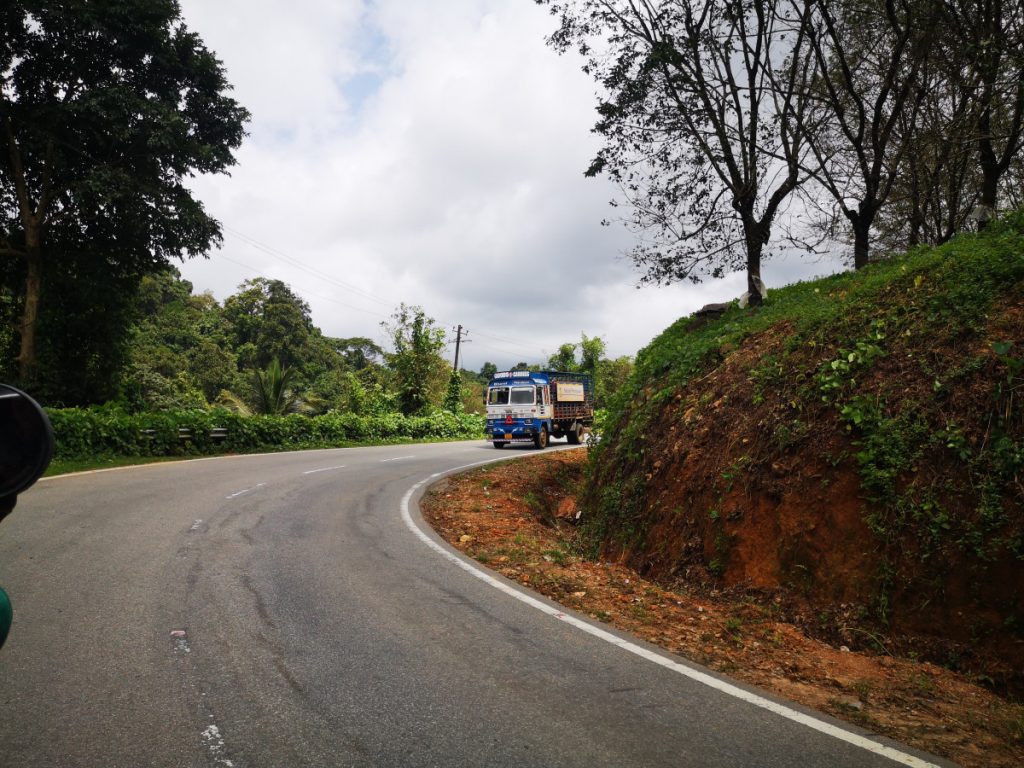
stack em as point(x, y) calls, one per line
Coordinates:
point(110, 431)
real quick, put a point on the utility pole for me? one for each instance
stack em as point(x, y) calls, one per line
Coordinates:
point(458, 343)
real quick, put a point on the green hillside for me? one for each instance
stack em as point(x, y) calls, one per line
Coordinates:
point(853, 450)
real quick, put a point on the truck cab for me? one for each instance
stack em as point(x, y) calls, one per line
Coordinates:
point(534, 406)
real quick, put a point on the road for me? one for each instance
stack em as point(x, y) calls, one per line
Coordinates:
point(279, 610)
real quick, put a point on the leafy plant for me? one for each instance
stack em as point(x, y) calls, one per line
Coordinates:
point(453, 397)
point(110, 431)
point(274, 395)
point(839, 374)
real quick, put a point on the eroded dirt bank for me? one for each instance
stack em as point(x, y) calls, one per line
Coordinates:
point(519, 519)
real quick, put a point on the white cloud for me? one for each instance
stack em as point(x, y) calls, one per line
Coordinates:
point(431, 153)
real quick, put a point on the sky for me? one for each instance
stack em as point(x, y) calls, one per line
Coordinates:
point(429, 152)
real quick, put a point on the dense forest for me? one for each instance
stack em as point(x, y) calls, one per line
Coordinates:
point(259, 352)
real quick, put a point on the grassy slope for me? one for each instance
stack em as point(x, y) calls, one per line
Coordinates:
point(857, 442)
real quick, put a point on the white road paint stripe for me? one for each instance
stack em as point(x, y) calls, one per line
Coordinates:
point(397, 458)
point(244, 490)
point(225, 457)
point(323, 469)
point(694, 674)
point(214, 742)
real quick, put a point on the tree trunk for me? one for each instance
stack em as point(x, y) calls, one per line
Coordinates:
point(916, 209)
point(755, 245)
point(989, 169)
point(30, 312)
point(861, 242)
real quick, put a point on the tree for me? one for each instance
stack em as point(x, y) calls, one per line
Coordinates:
point(473, 392)
point(869, 55)
point(268, 322)
point(272, 390)
point(106, 108)
point(368, 394)
point(564, 359)
point(612, 375)
point(591, 350)
point(359, 352)
point(487, 371)
point(179, 350)
point(86, 321)
point(420, 371)
point(591, 353)
point(988, 45)
point(699, 127)
point(453, 396)
point(920, 115)
point(164, 332)
point(938, 184)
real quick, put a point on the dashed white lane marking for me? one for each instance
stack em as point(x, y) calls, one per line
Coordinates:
point(196, 525)
point(397, 458)
point(215, 745)
point(322, 469)
point(211, 735)
point(244, 490)
point(694, 674)
point(181, 640)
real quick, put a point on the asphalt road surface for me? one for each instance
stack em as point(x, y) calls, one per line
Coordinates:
point(280, 610)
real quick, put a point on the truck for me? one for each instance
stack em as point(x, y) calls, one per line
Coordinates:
point(535, 406)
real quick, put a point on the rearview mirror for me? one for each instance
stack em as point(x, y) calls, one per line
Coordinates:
point(26, 447)
point(26, 444)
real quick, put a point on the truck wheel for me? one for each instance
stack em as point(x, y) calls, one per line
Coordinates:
point(499, 444)
point(575, 435)
point(541, 439)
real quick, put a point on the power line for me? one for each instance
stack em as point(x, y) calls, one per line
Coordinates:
point(305, 291)
point(278, 254)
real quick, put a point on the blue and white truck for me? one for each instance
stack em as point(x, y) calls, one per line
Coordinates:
point(534, 406)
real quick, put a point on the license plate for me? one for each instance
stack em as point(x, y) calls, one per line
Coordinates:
point(508, 435)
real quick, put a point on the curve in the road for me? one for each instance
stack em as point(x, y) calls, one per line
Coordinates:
point(718, 684)
point(267, 610)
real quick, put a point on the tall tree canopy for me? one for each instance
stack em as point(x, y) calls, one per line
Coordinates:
point(869, 55)
point(699, 123)
point(106, 108)
point(268, 322)
point(987, 51)
point(420, 371)
point(180, 352)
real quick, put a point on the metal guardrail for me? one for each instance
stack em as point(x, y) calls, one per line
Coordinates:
point(184, 433)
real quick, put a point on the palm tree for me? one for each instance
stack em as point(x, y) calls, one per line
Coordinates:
point(273, 395)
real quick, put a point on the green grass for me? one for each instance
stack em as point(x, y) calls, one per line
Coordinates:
point(68, 466)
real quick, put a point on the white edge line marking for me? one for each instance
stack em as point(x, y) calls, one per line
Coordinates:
point(222, 457)
point(173, 461)
point(694, 674)
point(322, 469)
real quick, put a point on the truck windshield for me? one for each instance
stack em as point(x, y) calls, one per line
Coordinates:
point(497, 396)
point(522, 395)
